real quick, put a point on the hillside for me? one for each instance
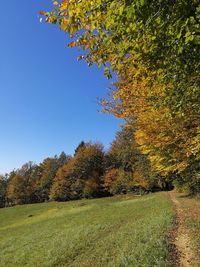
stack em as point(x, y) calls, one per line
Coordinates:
point(118, 231)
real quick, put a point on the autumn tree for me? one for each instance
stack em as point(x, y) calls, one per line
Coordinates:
point(109, 179)
point(125, 155)
point(61, 188)
point(123, 150)
point(153, 47)
point(48, 169)
point(22, 186)
point(3, 188)
point(81, 176)
point(117, 181)
point(169, 139)
point(81, 145)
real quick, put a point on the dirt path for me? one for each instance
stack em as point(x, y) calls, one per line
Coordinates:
point(181, 238)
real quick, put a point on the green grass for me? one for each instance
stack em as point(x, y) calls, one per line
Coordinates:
point(118, 231)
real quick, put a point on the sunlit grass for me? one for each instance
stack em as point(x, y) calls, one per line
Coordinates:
point(121, 231)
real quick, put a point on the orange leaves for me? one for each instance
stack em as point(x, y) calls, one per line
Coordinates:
point(50, 18)
point(64, 5)
point(72, 44)
point(84, 42)
point(53, 17)
point(44, 13)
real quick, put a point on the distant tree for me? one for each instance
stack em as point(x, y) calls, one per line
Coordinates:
point(92, 187)
point(126, 163)
point(22, 185)
point(47, 173)
point(62, 185)
point(32, 183)
point(81, 175)
point(3, 188)
point(62, 159)
point(89, 159)
point(48, 169)
point(81, 145)
point(109, 179)
point(123, 150)
point(17, 190)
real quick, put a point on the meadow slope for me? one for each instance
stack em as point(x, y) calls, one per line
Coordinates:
point(118, 231)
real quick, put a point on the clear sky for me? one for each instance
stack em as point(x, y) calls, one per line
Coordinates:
point(48, 99)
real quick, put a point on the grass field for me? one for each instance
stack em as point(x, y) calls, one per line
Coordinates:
point(118, 231)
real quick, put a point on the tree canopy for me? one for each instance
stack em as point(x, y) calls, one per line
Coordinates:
point(153, 48)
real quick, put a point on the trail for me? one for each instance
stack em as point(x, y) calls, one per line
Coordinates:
point(182, 239)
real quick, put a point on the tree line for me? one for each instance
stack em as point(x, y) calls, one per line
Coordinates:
point(90, 172)
point(153, 47)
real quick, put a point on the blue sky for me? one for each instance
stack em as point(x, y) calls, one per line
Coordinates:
point(48, 99)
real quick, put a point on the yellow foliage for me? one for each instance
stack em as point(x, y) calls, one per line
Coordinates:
point(64, 5)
